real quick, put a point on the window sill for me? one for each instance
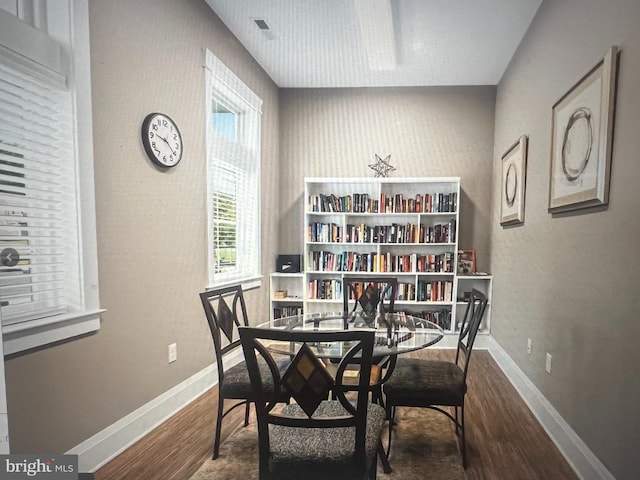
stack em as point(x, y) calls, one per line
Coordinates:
point(247, 283)
point(25, 336)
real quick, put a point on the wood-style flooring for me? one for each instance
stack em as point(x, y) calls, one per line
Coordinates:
point(504, 440)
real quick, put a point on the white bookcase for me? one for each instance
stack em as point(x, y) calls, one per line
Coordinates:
point(291, 285)
point(465, 283)
point(401, 227)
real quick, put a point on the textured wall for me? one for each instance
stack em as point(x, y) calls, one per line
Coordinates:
point(569, 282)
point(429, 132)
point(146, 56)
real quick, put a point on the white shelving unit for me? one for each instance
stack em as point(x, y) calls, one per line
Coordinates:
point(404, 227)
point(465, 283)
point(292, 303)
point(346, 224)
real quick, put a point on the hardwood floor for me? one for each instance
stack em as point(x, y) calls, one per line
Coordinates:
point(504, 440)
point(176, 449)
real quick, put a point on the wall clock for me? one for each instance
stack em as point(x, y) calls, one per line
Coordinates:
point(162, 140)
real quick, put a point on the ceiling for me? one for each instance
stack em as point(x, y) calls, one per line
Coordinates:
point(375, 43)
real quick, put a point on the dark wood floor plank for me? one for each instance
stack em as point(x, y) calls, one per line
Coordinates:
point(177, 448)
point(504, 439)
point(507, 442)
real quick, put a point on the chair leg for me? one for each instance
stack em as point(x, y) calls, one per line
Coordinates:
point(373, 472)
point(391, 415)
point(376, 390)
point(216, 435)
point(386, 466)
point(377, 397)
point(246, 414)
point(464, 440)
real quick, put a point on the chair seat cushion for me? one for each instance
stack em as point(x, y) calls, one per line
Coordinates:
point(297, 452)
point(420, 383)
point(237, 385)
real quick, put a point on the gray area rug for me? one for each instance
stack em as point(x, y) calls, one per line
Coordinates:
point(424, 446)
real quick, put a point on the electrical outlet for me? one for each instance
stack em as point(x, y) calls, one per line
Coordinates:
point(173, 352)
point(529, 346)
point(547, 365)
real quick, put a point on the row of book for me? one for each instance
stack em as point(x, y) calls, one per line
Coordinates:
point(281, 312)
point(434, 291)
point(385, 203)
point(406, 291)
point(442, 317)
point(438, 291)
point(324, 261)
point(325, 289)
point(424, 291)
point(394, 233)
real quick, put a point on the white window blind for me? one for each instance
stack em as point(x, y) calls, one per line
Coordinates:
point(233, 165)
point(225, 213)
point(36, 208)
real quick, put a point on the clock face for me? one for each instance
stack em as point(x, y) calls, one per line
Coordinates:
point(162, 140)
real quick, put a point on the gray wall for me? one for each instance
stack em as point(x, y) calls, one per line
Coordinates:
point(570, 282)
point(151, 226)
point(429, 132)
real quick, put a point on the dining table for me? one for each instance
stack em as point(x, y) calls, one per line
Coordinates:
point(396, 333)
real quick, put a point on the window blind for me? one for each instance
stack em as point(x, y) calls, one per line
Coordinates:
point(235, 185)
point(225, 207)
point(37, 199)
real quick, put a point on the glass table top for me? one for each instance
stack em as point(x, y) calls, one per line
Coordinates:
point(396, 333)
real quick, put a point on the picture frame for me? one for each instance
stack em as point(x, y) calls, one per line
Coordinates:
point(514, 174)
point(466, 261)
point(581, 139)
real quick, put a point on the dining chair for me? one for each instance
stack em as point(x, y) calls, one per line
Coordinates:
point(368, 293)
point(437, 384)
point(372, 295)
point(314, 437)
point(226, 311)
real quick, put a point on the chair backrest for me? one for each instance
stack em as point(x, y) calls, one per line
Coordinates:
point(369, 294)
point(476, 306)
point(226, 312)
point(309, 382)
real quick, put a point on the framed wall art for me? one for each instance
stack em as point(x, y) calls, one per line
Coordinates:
point(466, 261)
point(514, 173)
point(581, 139)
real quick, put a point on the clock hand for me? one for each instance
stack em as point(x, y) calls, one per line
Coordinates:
point(168, 144)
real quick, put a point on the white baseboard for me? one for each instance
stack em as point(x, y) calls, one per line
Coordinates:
point(113, 440)
point(450, 340)
point(578, 455)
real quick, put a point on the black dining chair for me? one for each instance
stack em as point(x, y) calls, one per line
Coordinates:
point(437, 384)
point(226, 311)
point(314, 437)
point(367, 294)
point(372, 296)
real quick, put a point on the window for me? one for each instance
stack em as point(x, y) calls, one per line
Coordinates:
point(48, 264)
point(233, 177)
